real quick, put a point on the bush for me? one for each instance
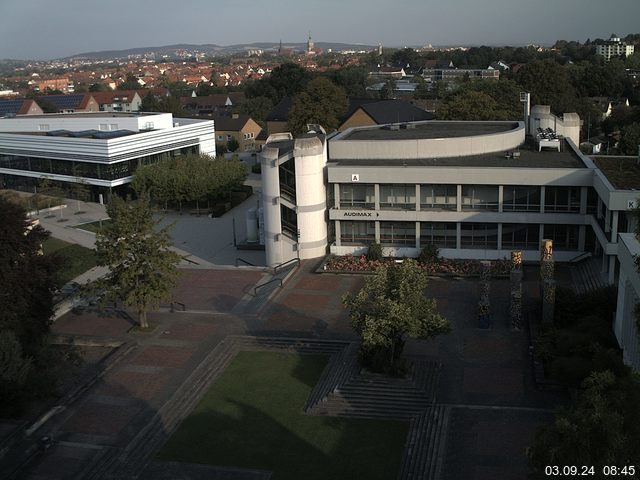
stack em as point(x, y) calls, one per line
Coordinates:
point(429, 254)
point(375, 252)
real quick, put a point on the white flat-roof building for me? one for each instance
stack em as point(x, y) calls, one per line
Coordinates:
point(101, 150)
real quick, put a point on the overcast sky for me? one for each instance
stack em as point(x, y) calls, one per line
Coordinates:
point(38, 29)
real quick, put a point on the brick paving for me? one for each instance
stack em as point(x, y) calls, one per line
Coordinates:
point(479, 367)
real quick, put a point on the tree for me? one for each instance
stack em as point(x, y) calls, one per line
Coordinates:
point(27, 286)
point(285, 80)
point(549, 84)
point(257, 108)
point(390, 307)
point(142, 268)
point(470, 105)
point(630, 139)
point(602, 429)
point(99, 87)
point(131, 83)
point(321, 102)
point(233, 145)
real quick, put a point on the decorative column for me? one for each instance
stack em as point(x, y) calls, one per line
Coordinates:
point(484, 306)
point(547, 271)
point(515, 297)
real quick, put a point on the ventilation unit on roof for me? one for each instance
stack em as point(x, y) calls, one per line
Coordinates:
point(394, 127)
point(411, 126)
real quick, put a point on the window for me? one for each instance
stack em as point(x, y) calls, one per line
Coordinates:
point(480, 197)
point(398, 233)
point(287, 173)
point(398, 196)
point(221, 138)
point(357, 196)
point(357, 233)
point(520, 199)
point(148, 126)
point(442, 235)
point(104, 127)
point(229, 137)
point(479, 235)
point(520, 236)
point(565, 237)
point(438, 197)
point(43, 127)
point(289, 221)
point(113, 126)
point(562, 199)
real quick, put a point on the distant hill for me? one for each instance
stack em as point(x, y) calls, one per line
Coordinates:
point(210, 49)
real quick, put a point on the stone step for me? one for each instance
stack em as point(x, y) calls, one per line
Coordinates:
point(425, 445)
point(358, 391)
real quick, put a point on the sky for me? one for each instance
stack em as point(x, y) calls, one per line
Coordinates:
point(39, 29)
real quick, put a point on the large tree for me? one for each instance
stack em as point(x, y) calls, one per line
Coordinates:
point(142, 266)
point(390, 307)
point(27, 286)
point(322, 102)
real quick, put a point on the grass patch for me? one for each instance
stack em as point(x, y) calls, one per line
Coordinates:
point(252, 417)
point(75, 259)
point(93, 226)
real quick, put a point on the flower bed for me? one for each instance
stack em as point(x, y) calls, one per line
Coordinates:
point(442, 266)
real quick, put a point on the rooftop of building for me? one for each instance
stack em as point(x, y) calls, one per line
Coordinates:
point(429, 130)
point(90, 115)
point(622, 172)
point(527, 156)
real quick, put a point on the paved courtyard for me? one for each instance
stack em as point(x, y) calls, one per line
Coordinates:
point(485, 379)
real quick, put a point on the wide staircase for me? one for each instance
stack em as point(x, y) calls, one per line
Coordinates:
point(371, 395)
point(587, 276)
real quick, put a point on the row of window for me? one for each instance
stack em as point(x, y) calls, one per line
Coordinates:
point(75, 168)
point(474, 197)
point(472, 235)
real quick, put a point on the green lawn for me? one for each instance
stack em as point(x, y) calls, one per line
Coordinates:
point(252, 418)
point(75, 259)
point(93, 226)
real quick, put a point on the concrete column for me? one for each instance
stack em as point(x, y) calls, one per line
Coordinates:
point(620, 313)
point(336, 195)
point(376, 197)
point(500, 200)
point(417, 197)
point(377, 226)
point(614, 227)
point(500, 231)
point(338, 233)
point(311, 197)
point(583, 200)
point(271, 205)
point(418, 235)
point(458, 232)
point(612, 269)
point(459, 200)
point(607, 221)
point(599, 208)
point(603, 268)
point(541, 235)
point(582, 235)
point(542, 194)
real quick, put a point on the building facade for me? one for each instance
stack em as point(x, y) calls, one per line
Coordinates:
point(98, 149)
point(614, 47)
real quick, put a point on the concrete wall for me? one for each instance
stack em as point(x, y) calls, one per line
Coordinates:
point(359, 118)
point(428, 148)
point(628, 295)
point(568, 125)
point(79, 121)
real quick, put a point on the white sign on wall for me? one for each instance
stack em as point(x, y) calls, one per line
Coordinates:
point(355, 177)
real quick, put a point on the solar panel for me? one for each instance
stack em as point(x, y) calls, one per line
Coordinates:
point(64, 102)
point(58, 133)
point(10, 106)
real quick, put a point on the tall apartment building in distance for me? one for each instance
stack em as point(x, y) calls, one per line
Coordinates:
point(101, 150)
point(614, 47)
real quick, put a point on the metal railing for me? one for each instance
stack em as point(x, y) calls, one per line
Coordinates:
point(285, 264)
point(257, 287)
point(238, 259)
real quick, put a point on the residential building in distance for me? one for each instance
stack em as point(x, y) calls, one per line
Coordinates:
point(364, 112)
point(614, 47)
point(212, 104)
point(118, 101)
point(20, 106)
point(76, 103)
point(62, 84)
point(452, 74)
point(242, 128)
point(101, 150)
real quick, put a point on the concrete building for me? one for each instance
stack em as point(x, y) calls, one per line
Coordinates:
point(99, 149)
point(242, 128)
point(476, 190)
point(614, 47)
